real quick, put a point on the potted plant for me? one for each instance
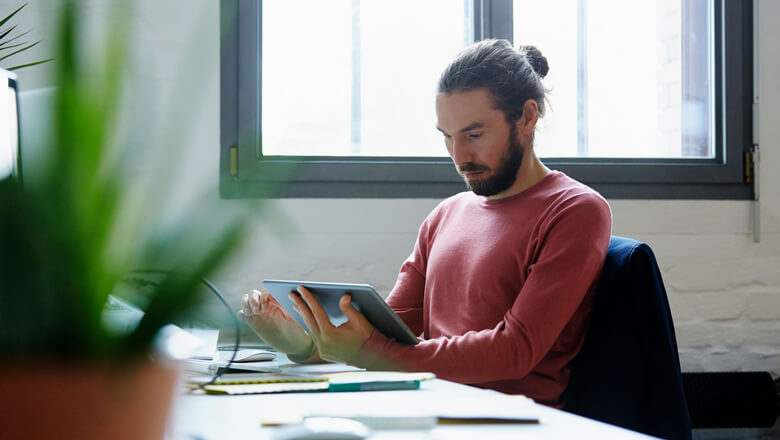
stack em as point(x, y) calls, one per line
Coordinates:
point(69, 235)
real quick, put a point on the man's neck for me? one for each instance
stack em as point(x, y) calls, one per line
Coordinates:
point(530, 173)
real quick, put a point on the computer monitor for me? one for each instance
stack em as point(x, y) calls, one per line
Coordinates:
point(10, 157)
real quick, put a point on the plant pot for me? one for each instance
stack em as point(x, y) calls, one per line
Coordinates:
point(81, 400)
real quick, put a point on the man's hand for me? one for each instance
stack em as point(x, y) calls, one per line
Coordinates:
point(273, 324)
point(338, 344)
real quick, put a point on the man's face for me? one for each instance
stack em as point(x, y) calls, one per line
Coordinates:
point(484, 147)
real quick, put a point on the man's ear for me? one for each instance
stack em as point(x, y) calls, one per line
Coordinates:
point(527, 121)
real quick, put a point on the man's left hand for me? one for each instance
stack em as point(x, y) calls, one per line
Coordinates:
point(338, 344)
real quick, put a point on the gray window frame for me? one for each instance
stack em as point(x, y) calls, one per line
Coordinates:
point(246, 173)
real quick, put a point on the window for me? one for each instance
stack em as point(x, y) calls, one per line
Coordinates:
point(630, 79)
point(336, 98)
point(361, 95)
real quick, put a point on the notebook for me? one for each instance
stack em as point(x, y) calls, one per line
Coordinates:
point(260, 383)
point(263, 383)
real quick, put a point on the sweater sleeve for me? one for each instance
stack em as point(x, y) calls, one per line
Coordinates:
point(406, 298)
point(573, 246)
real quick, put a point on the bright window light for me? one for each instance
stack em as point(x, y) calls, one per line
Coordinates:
point(628, 78)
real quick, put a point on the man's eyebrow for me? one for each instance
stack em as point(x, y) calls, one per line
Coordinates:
point(469, 127)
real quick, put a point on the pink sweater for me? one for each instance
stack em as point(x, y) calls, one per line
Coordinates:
point(501, 290)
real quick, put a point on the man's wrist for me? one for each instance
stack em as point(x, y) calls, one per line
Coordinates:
point(304, 355)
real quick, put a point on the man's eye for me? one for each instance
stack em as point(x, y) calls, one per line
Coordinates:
point(475, 135)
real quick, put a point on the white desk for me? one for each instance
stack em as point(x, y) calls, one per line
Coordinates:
point(208, 417)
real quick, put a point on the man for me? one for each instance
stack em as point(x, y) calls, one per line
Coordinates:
point(501, 278)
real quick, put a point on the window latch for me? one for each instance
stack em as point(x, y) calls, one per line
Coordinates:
point(233, 161)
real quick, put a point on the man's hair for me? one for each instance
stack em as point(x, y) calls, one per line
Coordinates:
point(512, 76)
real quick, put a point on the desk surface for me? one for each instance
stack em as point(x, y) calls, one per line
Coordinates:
point(209, 417)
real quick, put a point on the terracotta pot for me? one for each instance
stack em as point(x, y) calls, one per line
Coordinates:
point(50, 399)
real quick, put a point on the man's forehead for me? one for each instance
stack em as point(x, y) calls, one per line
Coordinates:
point(458, 111)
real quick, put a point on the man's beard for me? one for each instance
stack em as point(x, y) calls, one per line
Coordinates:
point(505, 173)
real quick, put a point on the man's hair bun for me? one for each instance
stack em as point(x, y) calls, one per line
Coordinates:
point(511, 75)
point(536, 59)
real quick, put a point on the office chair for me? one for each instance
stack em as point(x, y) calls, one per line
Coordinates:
point(628, 371)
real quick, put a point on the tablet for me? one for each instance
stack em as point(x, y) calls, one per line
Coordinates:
point(364, 298)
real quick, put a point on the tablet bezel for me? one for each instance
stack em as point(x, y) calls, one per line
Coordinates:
point(364, 297)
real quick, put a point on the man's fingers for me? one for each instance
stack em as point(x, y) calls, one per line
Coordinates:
point(248, 304)
point(268, 302)
point(254, 301)
point(245, 302)
point(303, 309)
point(352, 314)
point(319, 313)
point(267, 299)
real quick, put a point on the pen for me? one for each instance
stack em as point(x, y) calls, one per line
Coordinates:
point(375, 386)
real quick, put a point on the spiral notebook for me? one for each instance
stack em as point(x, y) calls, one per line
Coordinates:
point(260, 383)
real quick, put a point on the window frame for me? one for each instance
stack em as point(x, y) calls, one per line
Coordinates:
point(246, 173)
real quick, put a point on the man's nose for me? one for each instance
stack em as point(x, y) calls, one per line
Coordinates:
point(461, 154)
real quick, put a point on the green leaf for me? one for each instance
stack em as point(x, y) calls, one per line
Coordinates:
point(14, 38)
point(175, 297)
point(7, 32)
point(20, 50)
point(8, 17)
point(12, 46)
point(22, 66)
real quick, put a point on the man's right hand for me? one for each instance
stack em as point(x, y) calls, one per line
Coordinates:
point(273, 324)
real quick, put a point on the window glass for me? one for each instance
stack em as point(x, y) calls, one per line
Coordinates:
point(356, 78)
point(627, 78)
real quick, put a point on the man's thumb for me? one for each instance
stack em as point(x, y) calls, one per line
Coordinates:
point(346, 306)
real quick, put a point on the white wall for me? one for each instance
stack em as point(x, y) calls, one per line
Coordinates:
point(724, 289)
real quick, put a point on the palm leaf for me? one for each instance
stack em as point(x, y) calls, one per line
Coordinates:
point(14, 38)
point(20, 50)
point(22, 66)
point(7, 32)
point(6, 45)
point(8, 17)
point(12, 46)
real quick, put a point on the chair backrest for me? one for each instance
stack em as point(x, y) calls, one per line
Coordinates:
point(628, 372)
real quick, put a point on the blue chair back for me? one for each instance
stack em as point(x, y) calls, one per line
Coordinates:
point(628, 372)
